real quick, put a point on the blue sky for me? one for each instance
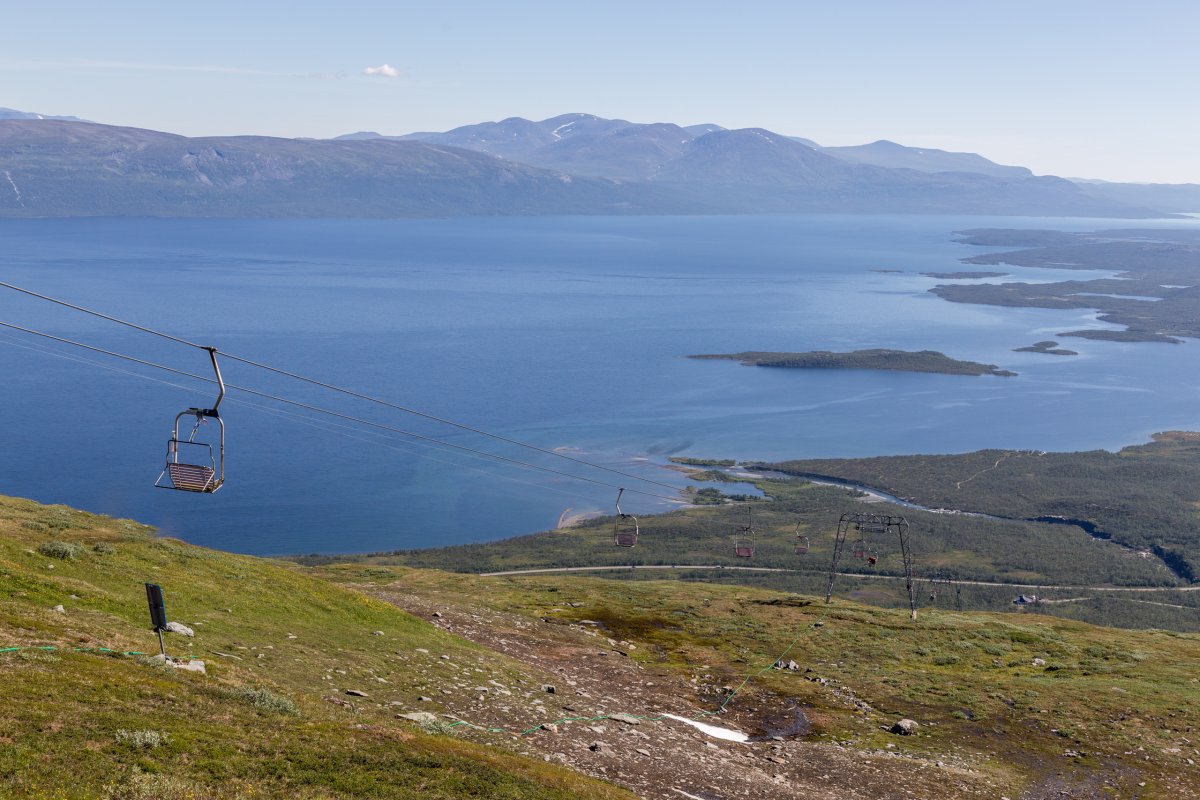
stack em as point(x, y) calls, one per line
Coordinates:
point(1094, 89)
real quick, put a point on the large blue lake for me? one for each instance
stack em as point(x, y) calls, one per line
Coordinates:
point(563, 332)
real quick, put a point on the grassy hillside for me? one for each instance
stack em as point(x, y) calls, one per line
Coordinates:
point(79, 721)
point(1027, 706)
point(532, 684)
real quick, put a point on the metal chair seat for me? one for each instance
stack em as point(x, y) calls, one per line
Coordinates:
point(192, 477)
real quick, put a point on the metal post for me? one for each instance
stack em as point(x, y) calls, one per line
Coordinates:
point(839, 540)
point(906, 554)
point(162, 648)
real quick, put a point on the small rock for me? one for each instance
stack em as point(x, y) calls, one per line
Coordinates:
point(548, 689)
point(291, 636)
point(357, 693)
point(194, 665)
point(377, 633)
point(628, 719)
point(550, 726)
point(599, 747)
point(337, 701)
point(180, 628)
point(437, 614)
point(642, 751)
point(1039, 662)
point(444, 657)
point(905, 727)
point(481, 689)
point(425, 699)
point(59, 609)
point(418, 716)
point(776, 760)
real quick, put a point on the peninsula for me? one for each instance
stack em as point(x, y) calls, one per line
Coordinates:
point(1152, 291)
point(896, 360)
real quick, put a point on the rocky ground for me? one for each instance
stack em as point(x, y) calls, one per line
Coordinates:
point(592, 675)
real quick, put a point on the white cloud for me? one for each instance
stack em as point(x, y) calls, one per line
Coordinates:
point(382, 71)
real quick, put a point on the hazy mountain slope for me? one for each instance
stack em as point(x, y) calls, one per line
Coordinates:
point(80, 169)
point(12, 113)
point(755, 168)
point(889, 154)
point(57, 168)
point(633, 152)
point(1177, 197)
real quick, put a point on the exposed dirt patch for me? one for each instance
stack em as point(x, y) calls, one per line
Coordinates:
point(594, 676)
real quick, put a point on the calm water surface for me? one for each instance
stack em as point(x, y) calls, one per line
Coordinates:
point(564, 332)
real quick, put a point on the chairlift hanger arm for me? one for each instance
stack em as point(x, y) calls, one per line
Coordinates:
point(212, 354)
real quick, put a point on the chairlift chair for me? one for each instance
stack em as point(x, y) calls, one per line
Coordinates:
point(743, 537)
point(801, 541)
point(625, 526)
point(193, 466)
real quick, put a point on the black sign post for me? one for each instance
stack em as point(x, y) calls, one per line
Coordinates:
point(158, 613)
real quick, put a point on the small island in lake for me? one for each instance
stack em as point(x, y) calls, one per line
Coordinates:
point(897, 360)
point(1047, 347)
point(957, 276)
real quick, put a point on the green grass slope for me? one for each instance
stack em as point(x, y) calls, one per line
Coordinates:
point(80, 719)
point(1043, 707)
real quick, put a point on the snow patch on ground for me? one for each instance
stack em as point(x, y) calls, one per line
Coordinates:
point(13, 184)
point(728, 734)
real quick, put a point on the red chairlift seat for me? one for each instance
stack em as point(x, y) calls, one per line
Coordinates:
point(743, 537)
point(801, 541)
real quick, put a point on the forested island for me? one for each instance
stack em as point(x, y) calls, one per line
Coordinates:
point(878, 358)
point(1048, 347)
point(965, 275)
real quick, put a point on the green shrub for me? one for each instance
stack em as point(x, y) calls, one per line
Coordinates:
point(104, 549)
point(144, 786)
point(437, 727)
point(142, 739)
point(67, 551)
point(266, 700)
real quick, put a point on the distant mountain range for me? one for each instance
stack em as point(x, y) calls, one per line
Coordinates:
point(12, 113)
point(571, 164)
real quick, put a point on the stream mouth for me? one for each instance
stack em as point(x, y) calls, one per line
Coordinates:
point(785, 723)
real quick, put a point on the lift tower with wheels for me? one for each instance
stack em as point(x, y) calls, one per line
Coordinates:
point(874, 525)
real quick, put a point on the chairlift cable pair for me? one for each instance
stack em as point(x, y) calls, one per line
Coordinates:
point(348, 431)
point(342, 390)
point(430, 439)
